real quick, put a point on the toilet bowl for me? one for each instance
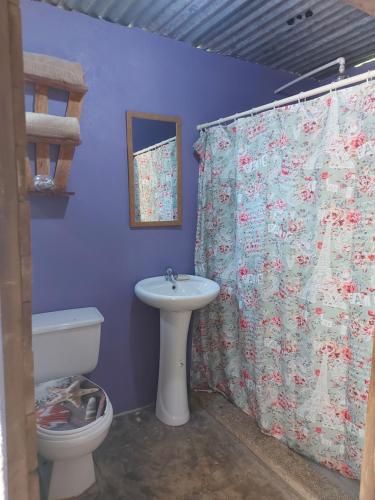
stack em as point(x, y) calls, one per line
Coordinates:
point(66, 343)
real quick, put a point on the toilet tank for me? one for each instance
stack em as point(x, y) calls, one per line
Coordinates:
point(66, 342)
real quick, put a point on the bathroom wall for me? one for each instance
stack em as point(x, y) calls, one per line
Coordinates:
point(84, 253)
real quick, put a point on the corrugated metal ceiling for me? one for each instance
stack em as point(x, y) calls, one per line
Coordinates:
point(292, 35)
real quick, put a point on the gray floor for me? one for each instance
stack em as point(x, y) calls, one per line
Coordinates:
point(144, 459)
point(218, 455)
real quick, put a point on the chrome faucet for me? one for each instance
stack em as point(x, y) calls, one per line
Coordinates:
point(170, 275)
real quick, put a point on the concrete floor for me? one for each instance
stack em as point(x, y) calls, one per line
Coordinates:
point(220, 454)
point(310, 480)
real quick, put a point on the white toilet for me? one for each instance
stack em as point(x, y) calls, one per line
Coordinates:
point(66, 345)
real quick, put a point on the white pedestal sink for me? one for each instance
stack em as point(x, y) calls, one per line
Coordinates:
point(176, 301)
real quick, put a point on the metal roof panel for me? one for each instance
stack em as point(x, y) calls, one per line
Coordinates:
point(292, 35)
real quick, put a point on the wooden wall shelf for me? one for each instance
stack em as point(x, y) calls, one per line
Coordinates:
point(44, 129)
point(51, 193)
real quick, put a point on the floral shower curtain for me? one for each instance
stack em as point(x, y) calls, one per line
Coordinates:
point(155, 173)
point(286, 227)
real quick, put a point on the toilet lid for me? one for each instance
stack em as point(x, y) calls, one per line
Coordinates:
point(68, 403)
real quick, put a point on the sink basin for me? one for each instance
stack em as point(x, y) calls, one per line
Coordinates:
point(186, 295)
point(176, 301)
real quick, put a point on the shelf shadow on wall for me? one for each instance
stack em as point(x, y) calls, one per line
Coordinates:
point(48, 208)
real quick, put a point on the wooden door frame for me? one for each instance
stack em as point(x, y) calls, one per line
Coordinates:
point(15, 267)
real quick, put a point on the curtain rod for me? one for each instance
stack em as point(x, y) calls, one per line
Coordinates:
point(340, 61)
point(154, 146)
point(297, 97)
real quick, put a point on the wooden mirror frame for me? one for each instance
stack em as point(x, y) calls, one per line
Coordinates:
point(129, 126)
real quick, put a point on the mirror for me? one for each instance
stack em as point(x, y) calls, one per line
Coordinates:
point(154, 161)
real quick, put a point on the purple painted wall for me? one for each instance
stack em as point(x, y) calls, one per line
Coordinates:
point(84, 253)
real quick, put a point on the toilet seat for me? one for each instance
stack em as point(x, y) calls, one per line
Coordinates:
point(80, 432)
point(73, 416)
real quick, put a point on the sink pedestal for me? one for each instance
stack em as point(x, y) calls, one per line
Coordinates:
point(172, 406)
point(176, 301)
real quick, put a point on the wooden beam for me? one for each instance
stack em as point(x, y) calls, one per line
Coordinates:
point(367, 6)
point(54, 72)
point(74, 106)
point(41, 99)
point(66, 153)
point(42, 160)
point(63, 166)
point(52, 129)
